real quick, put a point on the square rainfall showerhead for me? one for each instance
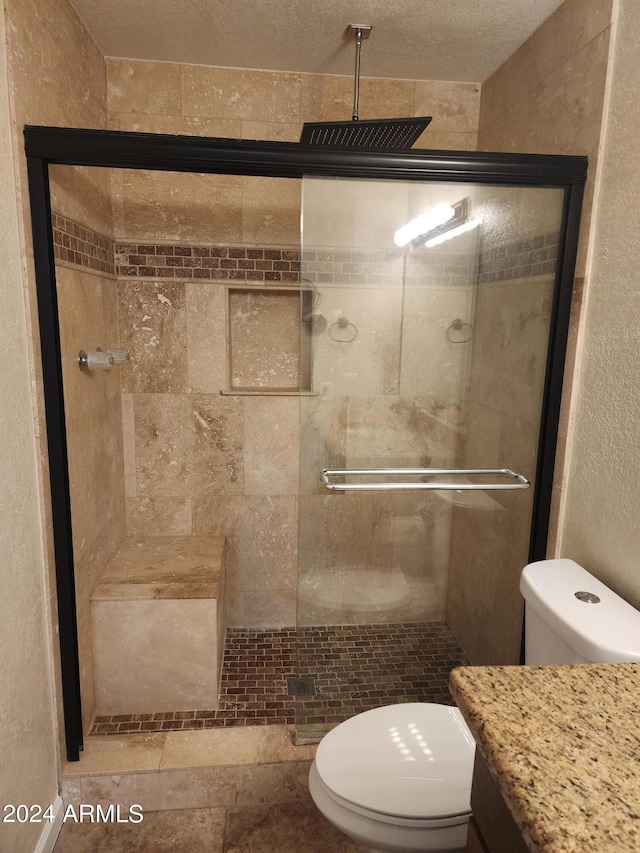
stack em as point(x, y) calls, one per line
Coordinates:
point(389, 134)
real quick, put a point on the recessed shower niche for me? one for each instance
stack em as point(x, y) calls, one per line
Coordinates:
point(267, 347)
point(253, 374)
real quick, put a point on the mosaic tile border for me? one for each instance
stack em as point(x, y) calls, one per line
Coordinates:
point(355, 667)
point(76, 244)
point(232, 263)
point(84, 247)
point(522, 259)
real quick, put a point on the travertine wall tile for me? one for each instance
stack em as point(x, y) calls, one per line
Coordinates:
point(88, 310)
point(264, 339)
point(88, 319)
point(271, 131)
point(548, 97)
point(83, 194)
point(381, 98)
point(152, 327)
point(446, 140)
point(206, 337)
point(188, 445)
point(128, 445)
point(182, 207)
point(47, 87)
point(207, 210)
point(261, 536)
point(154, 655)
point(275, 223)
point(239, 94)
point(88, 570)
point(159, 516)
point(455, 107)
point(143, 86)
point(270, 444)
point(326, 97)
point(176, 124)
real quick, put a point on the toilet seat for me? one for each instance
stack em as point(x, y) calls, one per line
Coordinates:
point(402, 764)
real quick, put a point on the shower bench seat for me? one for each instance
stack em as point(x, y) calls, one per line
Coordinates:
point(158, 625)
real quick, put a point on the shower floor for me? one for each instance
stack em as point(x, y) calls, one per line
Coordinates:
point(354, 668)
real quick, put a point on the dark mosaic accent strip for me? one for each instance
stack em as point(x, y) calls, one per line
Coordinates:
point(387, 268)
point(522, 259)
point(355, 668)
point(76, 244)
point(229, 263)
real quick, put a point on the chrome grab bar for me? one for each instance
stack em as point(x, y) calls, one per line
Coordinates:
point(520, 482)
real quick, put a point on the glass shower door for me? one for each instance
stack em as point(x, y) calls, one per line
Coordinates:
point(425, 316)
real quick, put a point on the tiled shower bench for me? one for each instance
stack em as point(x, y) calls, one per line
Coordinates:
point(158, 625)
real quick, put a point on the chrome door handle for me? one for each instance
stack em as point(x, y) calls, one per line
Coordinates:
point(515, 481)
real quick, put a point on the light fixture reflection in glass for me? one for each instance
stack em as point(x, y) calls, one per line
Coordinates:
point(454, 232)
point(423, 224)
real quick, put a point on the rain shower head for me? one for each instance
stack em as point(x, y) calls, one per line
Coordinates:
point(390, 134)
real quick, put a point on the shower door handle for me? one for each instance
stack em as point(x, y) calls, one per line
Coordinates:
point(513, 481)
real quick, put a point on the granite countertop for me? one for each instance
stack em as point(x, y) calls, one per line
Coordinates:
point(563, 744)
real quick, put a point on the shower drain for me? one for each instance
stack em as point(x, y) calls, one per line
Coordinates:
point(297, 686)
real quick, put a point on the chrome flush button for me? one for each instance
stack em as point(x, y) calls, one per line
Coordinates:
point(588, 597)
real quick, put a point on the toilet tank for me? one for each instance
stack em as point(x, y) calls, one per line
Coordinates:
point(564, 628)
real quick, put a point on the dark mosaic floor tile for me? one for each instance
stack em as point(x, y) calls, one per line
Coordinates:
point(353, 667)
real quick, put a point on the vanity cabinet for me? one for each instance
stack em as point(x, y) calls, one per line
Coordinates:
point(492, 828)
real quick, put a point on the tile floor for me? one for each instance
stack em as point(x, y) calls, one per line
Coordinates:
point(353, 667)
point(291, 827)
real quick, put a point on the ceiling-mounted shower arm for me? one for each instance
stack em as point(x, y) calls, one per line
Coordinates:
point(361, 31)
point(385, 134)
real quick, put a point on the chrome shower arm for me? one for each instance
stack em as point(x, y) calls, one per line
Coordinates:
point(361, 31)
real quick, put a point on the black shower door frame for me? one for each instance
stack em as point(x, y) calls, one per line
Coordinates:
point(45, 146)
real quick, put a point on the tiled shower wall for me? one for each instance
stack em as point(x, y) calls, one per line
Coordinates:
point(88, 312)
point(490, 542)
point(198, 461)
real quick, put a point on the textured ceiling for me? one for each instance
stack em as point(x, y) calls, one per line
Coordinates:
point(463, 40)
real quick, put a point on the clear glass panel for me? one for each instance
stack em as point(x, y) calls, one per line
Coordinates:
point(421, 357)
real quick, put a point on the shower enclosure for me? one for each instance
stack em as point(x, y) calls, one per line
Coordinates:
point(418, 452)
point(428, 385)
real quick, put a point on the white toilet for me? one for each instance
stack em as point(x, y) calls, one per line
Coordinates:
point(399, 777)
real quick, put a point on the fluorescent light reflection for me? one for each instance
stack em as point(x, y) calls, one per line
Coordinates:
point(406, 748)
point(454, 232)
point(423, 224)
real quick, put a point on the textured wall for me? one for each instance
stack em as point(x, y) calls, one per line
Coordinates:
point(56, 77)
point(600, 526)
point(28, 765)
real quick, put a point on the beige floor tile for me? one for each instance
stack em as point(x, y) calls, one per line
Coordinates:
point(118, 754)
point(188, 831)
point(212, 747)
point(276, 744)
point(284, 828)
point(232, 746)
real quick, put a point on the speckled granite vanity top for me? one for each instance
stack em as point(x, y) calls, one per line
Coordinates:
point(563, 744)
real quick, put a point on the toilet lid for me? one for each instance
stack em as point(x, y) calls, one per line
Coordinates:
point(413, 760)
